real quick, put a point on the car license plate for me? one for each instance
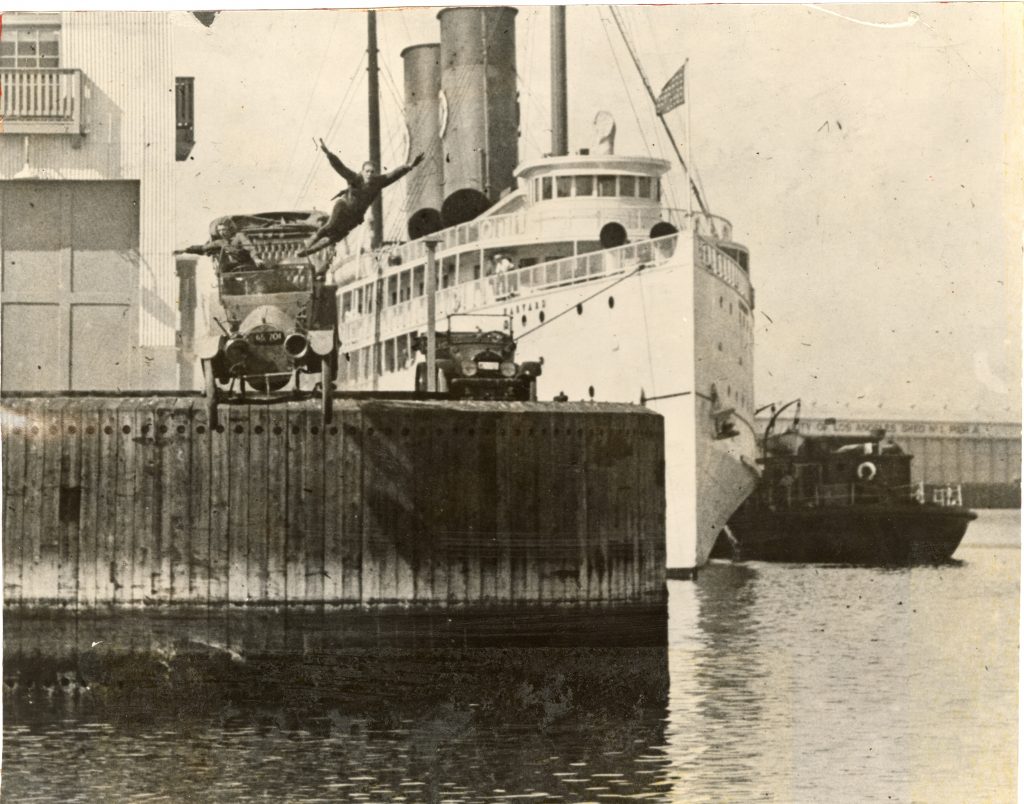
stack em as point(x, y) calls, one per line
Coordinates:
point(488, 365)
point(267, 338)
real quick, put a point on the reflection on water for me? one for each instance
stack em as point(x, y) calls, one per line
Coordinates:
point(476, 725)
point(783, 683)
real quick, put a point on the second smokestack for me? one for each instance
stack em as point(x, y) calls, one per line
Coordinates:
point(424, 188)
point(479, 110)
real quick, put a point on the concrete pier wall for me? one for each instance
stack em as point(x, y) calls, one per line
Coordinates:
point(132, 502)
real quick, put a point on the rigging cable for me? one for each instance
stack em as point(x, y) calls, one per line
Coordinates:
point(629, 95)
point(312, 93)
point(572, 308)
point(647, 86)
point(342, 107)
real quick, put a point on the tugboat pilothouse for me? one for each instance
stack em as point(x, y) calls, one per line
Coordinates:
point(623, 298)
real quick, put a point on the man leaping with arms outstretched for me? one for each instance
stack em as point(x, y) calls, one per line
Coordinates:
point(350, 208)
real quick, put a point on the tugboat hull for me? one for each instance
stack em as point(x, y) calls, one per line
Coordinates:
point(876, 534)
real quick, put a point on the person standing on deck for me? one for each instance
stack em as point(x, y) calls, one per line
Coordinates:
point(350, 208)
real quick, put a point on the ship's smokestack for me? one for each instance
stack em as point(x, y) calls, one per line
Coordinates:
point(424, 188)
point(479, 110)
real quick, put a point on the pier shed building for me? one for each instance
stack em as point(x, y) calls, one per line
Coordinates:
point(93, 120)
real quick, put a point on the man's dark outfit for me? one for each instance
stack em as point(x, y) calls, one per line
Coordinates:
point(350, 208)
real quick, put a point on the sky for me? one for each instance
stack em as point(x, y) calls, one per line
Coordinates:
point(869, 155)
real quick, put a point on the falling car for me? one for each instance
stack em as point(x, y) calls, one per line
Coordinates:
point(273, 324)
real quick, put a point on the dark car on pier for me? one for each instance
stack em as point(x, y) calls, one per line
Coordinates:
point(479, 363)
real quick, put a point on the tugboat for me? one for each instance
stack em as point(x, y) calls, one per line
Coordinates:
point(842, 499)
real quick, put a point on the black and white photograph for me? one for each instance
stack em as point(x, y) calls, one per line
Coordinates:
point(486, 403)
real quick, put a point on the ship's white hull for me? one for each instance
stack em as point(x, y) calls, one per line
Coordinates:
point(664, 333)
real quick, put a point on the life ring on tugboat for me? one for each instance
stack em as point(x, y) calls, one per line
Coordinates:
point(867, 471)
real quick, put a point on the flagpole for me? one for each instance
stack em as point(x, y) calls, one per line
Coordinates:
point(689, 133)
point(661, 117)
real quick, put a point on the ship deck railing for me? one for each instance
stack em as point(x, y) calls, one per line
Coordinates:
point(411, 314)
point(500, 228)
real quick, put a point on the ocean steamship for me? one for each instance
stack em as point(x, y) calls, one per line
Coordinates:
point(624, 298)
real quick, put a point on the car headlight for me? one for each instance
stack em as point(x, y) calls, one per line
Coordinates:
point(508, 369)
point(468, 368)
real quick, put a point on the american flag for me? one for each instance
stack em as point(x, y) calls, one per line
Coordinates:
point(673, 94)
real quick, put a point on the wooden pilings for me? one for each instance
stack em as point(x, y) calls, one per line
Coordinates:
point(129, 502)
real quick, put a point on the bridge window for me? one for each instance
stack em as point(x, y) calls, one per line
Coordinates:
point(392, 291)
point(643, 186)
point(657, 189)
point(627, 186)
point(606, 186)
point(404, 286)
point(584, 185)
point(545, 187)
point(418, 280)
point(346, 303)
point(389, 354)
point(563, 186)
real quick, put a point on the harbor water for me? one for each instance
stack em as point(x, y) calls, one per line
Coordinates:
point(779, 683)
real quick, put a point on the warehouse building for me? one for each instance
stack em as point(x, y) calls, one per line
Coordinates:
point(93, 122)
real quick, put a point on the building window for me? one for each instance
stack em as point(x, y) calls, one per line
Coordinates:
point(184, 117)
point(584, 185)
point(28, 47)
point(606, 186)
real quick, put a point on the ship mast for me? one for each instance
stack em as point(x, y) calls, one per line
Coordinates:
point(377, 210)
point(661, 117)
point(377, 236)
point(559, 83)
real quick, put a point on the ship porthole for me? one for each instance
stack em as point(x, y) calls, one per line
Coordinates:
point(524, 320)
point(866, 471)
point(579, 309)
point(590, 391)
point(541, 316)
point(611, 302)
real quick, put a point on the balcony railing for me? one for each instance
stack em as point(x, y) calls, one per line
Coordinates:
point(500, 229)
point(359, 328)
point(41, 101)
